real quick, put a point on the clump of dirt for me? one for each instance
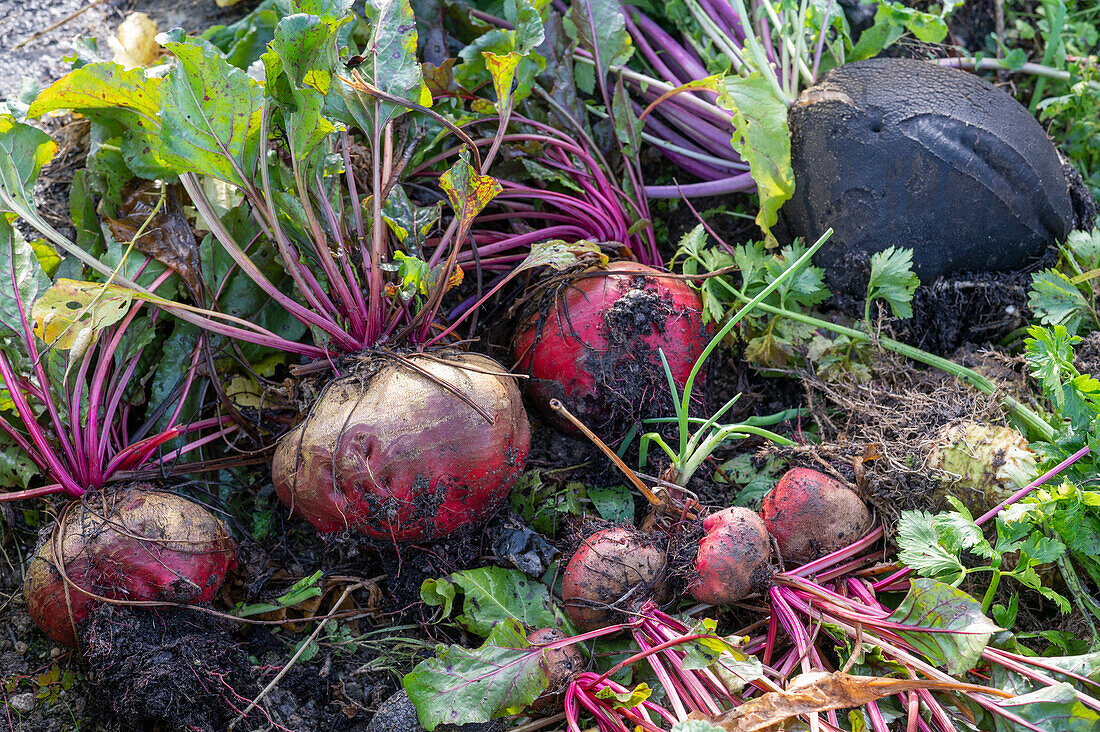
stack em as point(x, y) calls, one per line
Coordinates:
point(877, 434)
point(165, 669)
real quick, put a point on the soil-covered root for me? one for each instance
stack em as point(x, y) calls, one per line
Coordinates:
point(899, 152)
point(613, 571)
point(396, 454)
point(561, 664)
point(981, 464)
point(811, 515)
point(397, 714)
point(167, 669)
point(733, 558)
point(595, 345)
point(134, 543)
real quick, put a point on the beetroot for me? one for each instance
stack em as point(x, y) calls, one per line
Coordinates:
point(733, 557)
point(146, 545)
point(811, 514)
point(614, 570)
point(596, 349)
point(561, 664)
point(397, 456)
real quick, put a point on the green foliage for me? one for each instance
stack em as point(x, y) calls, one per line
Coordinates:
point(493, 595)
point(932, 604)
point(763, 140)
point(302, 590)
point(892, 280)
point(464, 686)
point(933, 545)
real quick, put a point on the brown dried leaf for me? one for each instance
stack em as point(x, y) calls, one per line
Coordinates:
point(819, 691)
point(167, 238)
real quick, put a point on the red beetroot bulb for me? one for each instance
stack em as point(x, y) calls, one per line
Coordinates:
point(147, 545)
point(610, 564)
point(399, 457)
point(597, 347)
point(561, 664)
point(811, 515)
point(733, 557)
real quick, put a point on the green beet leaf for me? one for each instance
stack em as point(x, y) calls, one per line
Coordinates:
point(494, 595)
point(463, 686)
point(932, 604)
point(210, 113)
point(763, 139)
point(106, 92)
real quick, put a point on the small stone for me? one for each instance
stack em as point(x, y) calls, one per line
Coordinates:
point(20, 647)
point(22, 703)
point(55, 652)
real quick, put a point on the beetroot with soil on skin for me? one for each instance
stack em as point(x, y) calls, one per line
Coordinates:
point(148, 545)
point(597, 347)
point(733, 558)
point(399, 457)
point(610, 564)
point(811, 515)
point(561, 664)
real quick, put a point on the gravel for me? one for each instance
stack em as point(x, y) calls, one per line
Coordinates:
point(40, 59)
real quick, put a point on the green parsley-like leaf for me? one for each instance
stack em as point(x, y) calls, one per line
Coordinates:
point(1055, 300)
point(893, 281)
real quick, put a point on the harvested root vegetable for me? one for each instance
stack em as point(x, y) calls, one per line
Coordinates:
point(562, 666)
point(899, 152)
point(597, 346)
point(981, 464)
point(614, 570)
point(399, 456)
point(733, 558)
point(146, 545)
point(811, 514)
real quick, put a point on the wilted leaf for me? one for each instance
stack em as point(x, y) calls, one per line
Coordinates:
point(166, 236)
point(462, 686)
point(932, 604)
point(626, 699)
point(69, 314)
point(763, 140)
point(468, 191)
point(16, 467)
point(560, 254)
point(135, 42)
point(819, 691)
point(503, 70)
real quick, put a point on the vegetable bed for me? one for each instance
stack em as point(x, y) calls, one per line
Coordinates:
point(560, 365)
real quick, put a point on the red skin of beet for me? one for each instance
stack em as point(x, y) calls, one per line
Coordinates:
point(609, 564)
point(811, 515)
point(733, 557)
point(413, 461)
point(184, 557)
point(574, 353)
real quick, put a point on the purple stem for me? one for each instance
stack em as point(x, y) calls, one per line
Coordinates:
point(741, 183)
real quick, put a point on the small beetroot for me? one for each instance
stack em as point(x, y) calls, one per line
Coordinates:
point(597, 347)
point(614, 570)
point(561, 664)
point(733, 557)
point(811, 515)
point(146, 545)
